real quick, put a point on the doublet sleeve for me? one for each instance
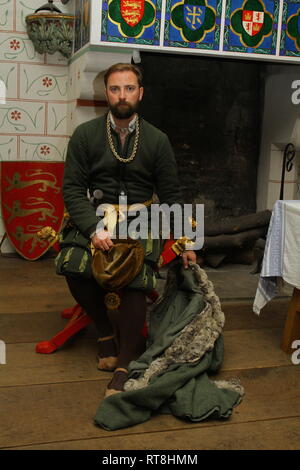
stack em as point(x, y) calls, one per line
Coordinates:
point(76, 183)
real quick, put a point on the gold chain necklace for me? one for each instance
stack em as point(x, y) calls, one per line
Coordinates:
point(111, 144)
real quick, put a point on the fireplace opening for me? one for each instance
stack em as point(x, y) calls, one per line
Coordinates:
point(228, 122)
point(211, 109)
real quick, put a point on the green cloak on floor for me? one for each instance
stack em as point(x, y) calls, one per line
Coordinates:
point(185, 346)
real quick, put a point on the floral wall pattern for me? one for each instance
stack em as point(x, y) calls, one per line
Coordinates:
point(33, 91)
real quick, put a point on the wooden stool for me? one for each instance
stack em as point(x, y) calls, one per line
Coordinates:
point(78, 319)
point(292, 324)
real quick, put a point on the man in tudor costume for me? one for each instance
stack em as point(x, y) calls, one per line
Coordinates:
point(118, 154)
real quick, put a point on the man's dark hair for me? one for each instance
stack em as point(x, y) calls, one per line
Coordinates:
point(123, 68)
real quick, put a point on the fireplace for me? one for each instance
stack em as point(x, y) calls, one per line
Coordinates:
point(211, 110)
point(228, 122)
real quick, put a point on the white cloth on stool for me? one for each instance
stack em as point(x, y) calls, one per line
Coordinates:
point(282, 253)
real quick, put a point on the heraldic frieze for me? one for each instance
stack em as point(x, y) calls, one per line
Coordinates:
point(250, 27)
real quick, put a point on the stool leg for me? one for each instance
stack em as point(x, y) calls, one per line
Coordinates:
point(292, 324)
point(71, 311)
point(77, 323)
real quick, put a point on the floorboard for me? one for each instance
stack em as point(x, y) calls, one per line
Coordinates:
point(65, 411)
point(260, 435)
point(49, 401)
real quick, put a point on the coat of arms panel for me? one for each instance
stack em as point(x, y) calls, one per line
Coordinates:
point(31, 198)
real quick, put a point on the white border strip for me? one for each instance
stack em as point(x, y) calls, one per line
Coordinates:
point(204, 52)
point(162, 23)
point(222, 25)
point(96, 21)
point(279, 25)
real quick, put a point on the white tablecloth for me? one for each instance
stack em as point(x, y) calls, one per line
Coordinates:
point(282, 253)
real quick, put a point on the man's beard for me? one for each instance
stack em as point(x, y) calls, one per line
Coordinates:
point(123, 110)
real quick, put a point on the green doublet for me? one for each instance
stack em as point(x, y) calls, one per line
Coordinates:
point(91, 165)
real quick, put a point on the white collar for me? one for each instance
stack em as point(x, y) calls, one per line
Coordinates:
point(131, 127)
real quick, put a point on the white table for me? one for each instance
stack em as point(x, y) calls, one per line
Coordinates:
point(282, 263)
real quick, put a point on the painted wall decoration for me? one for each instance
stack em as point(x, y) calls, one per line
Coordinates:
point(14, 46)
point(4, 14)
point(251, 26)
point(131, 21)
point(193, 23)
point(290, 31)
point(248, 27)
point(33, 93)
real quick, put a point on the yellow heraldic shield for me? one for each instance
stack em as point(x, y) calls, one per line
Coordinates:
point(31, 198)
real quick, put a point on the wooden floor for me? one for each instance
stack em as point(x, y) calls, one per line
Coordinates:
point(48, 401)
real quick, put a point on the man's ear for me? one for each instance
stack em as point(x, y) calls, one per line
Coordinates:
point(141, 93)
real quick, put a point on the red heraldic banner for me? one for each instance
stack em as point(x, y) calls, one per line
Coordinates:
point(31, 198)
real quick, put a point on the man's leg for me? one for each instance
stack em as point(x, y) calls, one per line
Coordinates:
point(90, 297)
point(129, 322)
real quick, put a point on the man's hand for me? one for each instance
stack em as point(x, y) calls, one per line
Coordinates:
point(101, 240)
point(187, 256)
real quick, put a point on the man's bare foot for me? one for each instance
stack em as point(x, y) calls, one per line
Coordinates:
point(107, 354)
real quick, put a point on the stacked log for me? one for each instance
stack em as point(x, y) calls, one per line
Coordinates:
point(233, 239)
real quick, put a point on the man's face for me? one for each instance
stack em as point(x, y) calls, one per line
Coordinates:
point(123, 94)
